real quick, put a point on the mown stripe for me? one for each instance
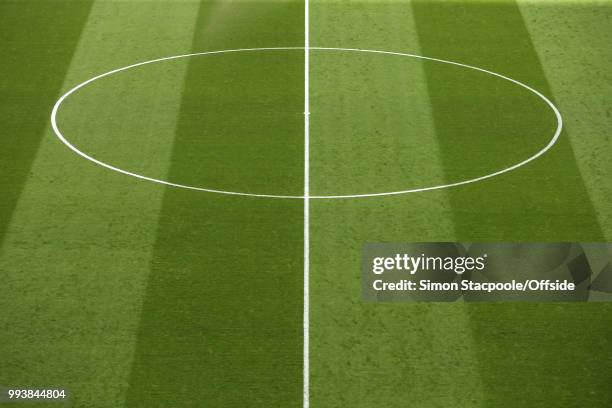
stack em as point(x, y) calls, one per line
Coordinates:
point(36, 52)
point(545, 200)
point(221, 323)
point(372, 129)
point(78, 248)
point(532, 355)
point(581, 80)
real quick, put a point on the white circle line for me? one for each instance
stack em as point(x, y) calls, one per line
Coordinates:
point(65, 141)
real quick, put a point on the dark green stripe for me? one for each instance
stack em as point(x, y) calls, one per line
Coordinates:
point(484, 124)
point(37, 39)
point(530, 355)
point(221, 324)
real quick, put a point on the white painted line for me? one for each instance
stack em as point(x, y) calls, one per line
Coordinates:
point(538, 154)
point(550, 144)
point(306, 368)
point(63, 139)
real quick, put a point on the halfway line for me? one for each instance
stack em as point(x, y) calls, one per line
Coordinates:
point(306, 372)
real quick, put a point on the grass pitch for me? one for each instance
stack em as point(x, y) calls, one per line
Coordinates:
point(129, 293)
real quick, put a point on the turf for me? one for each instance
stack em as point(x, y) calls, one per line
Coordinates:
point(472, 354)
point(129, 293)
point(559, 209)
point(221, 321)
point(27, 89)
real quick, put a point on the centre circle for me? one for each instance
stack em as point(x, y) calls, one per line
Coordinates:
point(550, 143)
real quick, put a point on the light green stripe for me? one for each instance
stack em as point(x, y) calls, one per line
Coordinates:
point(77, 252)
point(372, 125)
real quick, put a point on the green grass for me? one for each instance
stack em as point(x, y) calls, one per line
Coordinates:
point(221, 322)
point(129, 293)
point(28, 90)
